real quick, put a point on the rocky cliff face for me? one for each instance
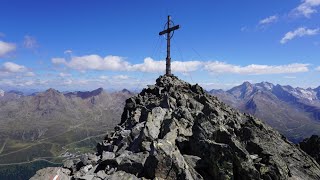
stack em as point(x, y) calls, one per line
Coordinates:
point(312, 147)
point(174, 130)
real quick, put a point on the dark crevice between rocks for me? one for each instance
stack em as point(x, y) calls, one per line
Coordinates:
point(184, 147)
point(144, 114)
point(150, 167)
point(79, 165)
point(170, 170)
point(202, 168)
point(165, 128)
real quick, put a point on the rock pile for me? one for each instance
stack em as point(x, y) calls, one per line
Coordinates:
point(174, 130)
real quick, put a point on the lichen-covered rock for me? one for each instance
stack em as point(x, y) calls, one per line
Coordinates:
point(174, 130)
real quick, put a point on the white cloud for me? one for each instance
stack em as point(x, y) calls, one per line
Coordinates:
point(103, 77)
point(30, 74)
point(300, 32)
point(255, 69)
point(307, 8)
point(244, 29)
point(64, 74)
point(29, 83)
point(317, 68)
point(58, 61)
point(150, 65)
point(68, 51)
point(30, 42)
point(23, 82)
point(5, 48)
point(67, 82)
point(13, 68)
point(121, 77)
point(290, 77)
point(268, 20)
point(117, 63)
point(94, 62)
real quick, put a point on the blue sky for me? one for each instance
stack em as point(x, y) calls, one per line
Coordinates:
point(83, 45)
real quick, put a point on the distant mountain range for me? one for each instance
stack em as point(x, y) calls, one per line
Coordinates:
point(51, 124)
point(295, 112)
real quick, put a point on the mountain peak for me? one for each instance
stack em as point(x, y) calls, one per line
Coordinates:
point(97, 91)
point(175, 130)
point(265, 85)
point(51, 91)
point(125, 90)
point(246, 83)
point(244, 90)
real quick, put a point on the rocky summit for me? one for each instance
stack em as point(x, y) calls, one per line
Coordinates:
point(174, 130)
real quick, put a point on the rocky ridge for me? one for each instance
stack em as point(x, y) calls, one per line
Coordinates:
point(174, 130)
point(294, 112)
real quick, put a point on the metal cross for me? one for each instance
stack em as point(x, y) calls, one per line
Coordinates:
point(169, 31)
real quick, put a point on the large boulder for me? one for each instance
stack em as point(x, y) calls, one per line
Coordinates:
point(52, 173)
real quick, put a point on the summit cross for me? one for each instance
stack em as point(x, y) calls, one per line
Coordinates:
point(169, 31)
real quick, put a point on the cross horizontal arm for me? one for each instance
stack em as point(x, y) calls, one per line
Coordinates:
point(169, 30)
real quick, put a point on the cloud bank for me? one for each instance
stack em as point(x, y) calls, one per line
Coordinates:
point(117, 63)
point(255, 69)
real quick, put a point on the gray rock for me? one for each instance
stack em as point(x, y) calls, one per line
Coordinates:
point(68, 164)
point(86, 168)
point(153, 124)
point(87, 177)
point(107, 155)
point(52, 172)
point(132, 162)
point(101, 174)
point(121, 175)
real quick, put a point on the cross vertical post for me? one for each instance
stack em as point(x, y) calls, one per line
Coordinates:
point(168, 58)
point(169, 32)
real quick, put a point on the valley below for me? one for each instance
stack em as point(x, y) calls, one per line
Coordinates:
point(46, 128)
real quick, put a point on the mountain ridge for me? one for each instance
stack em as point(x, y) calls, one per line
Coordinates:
point(175, 130)
point(295, 112)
